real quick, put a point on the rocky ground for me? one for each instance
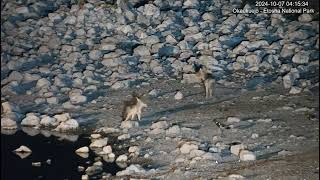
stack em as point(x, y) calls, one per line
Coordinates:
point(69, 65)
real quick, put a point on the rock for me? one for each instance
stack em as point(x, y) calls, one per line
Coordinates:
point(77, 99)
point(8, 124)
point(120, 85)
point(107, 149)
point(95, 136)
point(254, 135)
point(169, 51)
point(305, 18)
point(191, 3)
point(233, 119)
point(91, 170)
point(187, 147)
point(295, 90)
point(151, 10)
point(131, 170)
point(43, 83)
point(99, 143)
point(85, 177)
point(208, 17)
point(211, 156)
point(301, 58)
point(265, 120)
point(123, 137)
point(84, 149)
point(235, 177)
point(31, 120)
point(246, 155)
point(196, 153)
point(172, 131)
point(129, 124)
point(8, 108)
point(235, 149)
point(62, 117)
point(23, 149)
point(52, 100)
point(68, 125)
point(48, 121)
point(95, 54)
point(134, 149)
point(153, 92)
point(141, 51)
point(178, 96)
point(159, 125)
point(36, 164)
point(156, 131)
point(122, 158)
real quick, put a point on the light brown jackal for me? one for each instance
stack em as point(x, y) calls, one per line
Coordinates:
point(206, 79)
point(133, 108)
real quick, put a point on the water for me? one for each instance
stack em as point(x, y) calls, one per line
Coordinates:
point(60, 150)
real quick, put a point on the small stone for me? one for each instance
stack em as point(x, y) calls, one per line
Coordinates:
point(122, 158)
point(159, 125)
point(84, 149)
point(31, 120)
point(99, 143)
point(235, 177)
point(246, 155)
point(153, 92)
point(133, 149)
point(295, 90)
point(36, 164)
point(233, 119)
point(129, 124)
point(178, 96)
point(265, 120)
point(174, 130)
point(23, 149)
point(235, 149)
point(80, 168)
point(187, 147)
point(254, 135)
point(124, 136)
point(7, 123)
point(305, 18)
point(68, 125)
point(85, 177)
point(77, 99)
point(48, 121)
point(62, 117)
point(107, 149)
point(111, 156)
point(95, 136)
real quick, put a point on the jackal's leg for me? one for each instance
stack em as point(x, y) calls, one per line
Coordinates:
point(207, 89)
point(139, 115)
point(210, 89)
point(127, 117)
point(132, 116)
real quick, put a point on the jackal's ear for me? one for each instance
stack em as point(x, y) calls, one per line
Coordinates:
point(135, 94)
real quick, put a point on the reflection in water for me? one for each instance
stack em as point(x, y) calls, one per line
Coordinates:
point(83, 155)
point(63, 161)
point(23, 155)
point(30, 131)
point(8, 131)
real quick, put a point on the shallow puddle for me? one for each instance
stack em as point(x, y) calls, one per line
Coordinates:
point(58, 151)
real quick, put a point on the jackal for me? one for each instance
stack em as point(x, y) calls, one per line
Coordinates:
point(206, 78)
point(133, 108)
